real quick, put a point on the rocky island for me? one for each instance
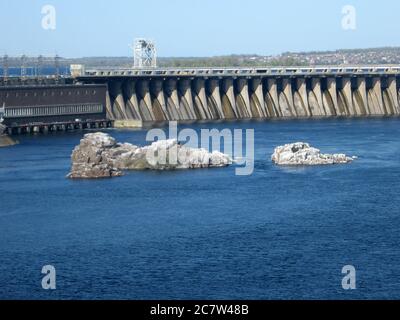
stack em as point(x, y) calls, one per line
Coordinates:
point(301, 153)
point(100, 156)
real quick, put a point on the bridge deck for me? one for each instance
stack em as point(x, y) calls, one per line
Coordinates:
point(284, 71)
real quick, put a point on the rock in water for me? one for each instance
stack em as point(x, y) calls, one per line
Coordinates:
point(89, 158)
point(301, 153)
point(5, 140)
point(98, 156)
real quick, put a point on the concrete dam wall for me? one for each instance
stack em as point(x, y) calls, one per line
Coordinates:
point(132, 96)
point(244, 93)
point(251, 97)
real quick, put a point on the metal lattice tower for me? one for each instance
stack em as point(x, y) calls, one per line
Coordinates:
point(144, 53)
point(23, 66)
point(57, 65)
point(39, 65)
point(5, 66)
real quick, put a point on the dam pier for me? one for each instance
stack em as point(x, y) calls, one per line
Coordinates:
point(246, 93)
point(98, 98)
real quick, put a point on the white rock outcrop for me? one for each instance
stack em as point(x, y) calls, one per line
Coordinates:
point(301, 153)
point(99, 155)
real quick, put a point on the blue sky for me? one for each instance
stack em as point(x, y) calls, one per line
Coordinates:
point(195, 27)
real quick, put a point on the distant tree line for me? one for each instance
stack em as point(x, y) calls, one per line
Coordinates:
point(247, 60)
point(227, 61)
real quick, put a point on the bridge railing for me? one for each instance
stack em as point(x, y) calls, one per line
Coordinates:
point(228, 71)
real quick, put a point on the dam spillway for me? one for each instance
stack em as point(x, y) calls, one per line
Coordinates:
point(248, 93)
point(129, 97)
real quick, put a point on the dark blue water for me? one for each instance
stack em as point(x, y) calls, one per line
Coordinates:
point(277, 234)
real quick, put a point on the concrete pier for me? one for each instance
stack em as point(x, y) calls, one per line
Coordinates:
point(208, 94)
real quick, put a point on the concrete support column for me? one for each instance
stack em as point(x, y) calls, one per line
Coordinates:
point(185, 89)
point(258, 97)
point(360, 99)
point(109, 109)
point(171, 91)
point(213, 88)
point(302, 91)
point(118, 105)
point(348, 95)
point(200, 99)
point(145, 106)
point(132, 103)
point(229, 91)
point(378, 99)
point(316, 88)
point(287, 90)
point(243, 95)
point(392, 89)
point(332, 90)
point(273, 92)
point(158, 104)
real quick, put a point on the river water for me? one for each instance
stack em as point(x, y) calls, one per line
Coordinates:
point(280, 233)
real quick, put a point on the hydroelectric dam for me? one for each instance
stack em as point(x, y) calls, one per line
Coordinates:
point(92, 98)
point(246, 93)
